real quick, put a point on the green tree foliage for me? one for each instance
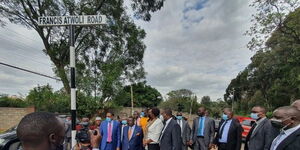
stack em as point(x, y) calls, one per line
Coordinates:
point(269, 15)
point(205, 100)
point(117, 48)
point(143, 96)
point(272, 78)
point(181, 100)
point(6, 101)
point(45, 99)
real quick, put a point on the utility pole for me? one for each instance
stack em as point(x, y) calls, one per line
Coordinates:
point(71, 22)
point(131, 90)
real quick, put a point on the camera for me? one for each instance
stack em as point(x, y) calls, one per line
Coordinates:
point(82, 136)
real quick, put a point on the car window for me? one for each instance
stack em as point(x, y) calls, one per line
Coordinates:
point(246, 122)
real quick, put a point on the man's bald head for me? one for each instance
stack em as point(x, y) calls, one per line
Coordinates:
point(36, 129)
point(286, 112)
point(296, 104)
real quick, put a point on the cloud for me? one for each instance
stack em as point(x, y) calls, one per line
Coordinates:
point(201, 40)
point(192, 44)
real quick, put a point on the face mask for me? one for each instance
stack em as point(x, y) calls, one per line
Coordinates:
point(108, 119)
point(124, 122)
point(199, 114)
point(224, 117)
point(142, 114)
point(276, 123)
point(179, 117)
point(254, 116)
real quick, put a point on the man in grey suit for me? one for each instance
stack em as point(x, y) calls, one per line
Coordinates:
point(185, 130)
point(203, 131)
point(262, 132)
point(170, 138)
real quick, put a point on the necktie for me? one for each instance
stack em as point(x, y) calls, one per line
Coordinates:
point(222, 129)
point(129, 133)
point(201, 126)
point(109, 136)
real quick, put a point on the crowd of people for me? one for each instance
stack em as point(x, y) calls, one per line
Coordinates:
point(155, 130)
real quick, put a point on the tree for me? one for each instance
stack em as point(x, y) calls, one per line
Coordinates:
point(272, 78)
point(269, 16)
point(144, 96)
point(181, 100)
point(117, 47)
point(6, 101)
point(45, 99)
point(205, 100)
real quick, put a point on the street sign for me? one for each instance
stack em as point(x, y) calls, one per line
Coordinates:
point(71, 20)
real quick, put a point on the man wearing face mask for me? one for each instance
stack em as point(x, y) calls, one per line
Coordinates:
point(185, 130)
point(123, 124)
point(41, 131)
point(287, 119)
point(262, 132)
point(110, 133)
point(203, 131)
point(229, 134)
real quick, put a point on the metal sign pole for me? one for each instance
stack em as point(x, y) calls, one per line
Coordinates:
point(73, 86)
point(72, 21)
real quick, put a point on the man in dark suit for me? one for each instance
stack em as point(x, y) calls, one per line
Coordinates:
point(287, 119)
point(133, 136)
point(110, 133)
point(229, 134)
point(185, 130)
point(170, 138)
point(262, 132)
point(203, 131)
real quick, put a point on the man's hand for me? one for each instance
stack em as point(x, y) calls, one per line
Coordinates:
point(190, 142)
point(211, 146)
point(118, 148)
point(95, 139)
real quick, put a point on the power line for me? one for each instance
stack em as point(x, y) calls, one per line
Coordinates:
point(26, 70)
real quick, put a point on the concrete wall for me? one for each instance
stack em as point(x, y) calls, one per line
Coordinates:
point(10, 116)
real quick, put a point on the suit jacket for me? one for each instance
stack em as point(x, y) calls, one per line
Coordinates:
point(262, 136)
point(292, 142)
point(234, 139)
point(116, 134)
point(209, 130)
point(171, 137)
point(185, 131)
point(136, 141)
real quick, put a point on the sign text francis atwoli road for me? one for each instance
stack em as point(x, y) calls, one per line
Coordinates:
point(71, 20)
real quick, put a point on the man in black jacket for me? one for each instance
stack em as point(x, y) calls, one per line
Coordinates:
point(170, 138)
point(229, 134)
point(287, 119)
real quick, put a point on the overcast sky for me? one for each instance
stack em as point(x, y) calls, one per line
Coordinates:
point(193, 44)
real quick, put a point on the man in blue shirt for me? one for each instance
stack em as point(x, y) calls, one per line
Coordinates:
point(229, 135)
point(203, 131)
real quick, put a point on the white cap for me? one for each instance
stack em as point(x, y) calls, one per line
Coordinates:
point(98, 118)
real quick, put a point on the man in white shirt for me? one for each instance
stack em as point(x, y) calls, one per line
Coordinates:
point(287, 119)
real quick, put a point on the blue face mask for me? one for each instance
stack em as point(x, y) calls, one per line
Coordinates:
point(224, 117)
point(142, 114)
point(254, 116)
point(179, 117)
point(108, 119)
point(124, 122)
